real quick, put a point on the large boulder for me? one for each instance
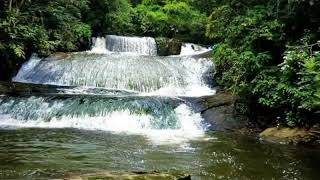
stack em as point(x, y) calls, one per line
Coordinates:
point(58, 56)
point(167, 47)
point(220, 113)
point(294, 136)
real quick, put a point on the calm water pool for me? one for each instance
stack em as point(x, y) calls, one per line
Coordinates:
point(52, 153)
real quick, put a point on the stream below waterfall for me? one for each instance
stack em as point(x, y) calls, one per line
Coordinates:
point(120, 107)
point(42, 153)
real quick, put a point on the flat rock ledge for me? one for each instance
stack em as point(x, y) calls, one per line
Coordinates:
point(128, 176)
point(295, 136)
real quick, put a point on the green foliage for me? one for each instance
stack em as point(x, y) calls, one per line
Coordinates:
point(169, 19)
point(109, 16)
point(42, 27)
point(292, 87)
point(252, 58)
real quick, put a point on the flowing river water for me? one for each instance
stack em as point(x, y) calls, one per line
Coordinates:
point(127, 110)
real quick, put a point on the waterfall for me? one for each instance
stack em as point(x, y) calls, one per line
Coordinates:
point(27, 68)
point(135, 45)
point(119, 86)
point(122, 44)
point(160, 119)
point(175, 76)
point(99, 45)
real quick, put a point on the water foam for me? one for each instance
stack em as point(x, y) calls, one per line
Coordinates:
point(188, 49)
point(189, 124)
point(99, 46)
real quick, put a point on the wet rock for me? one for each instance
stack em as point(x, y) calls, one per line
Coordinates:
point(25, 89)
point(208, 78)
point(220, 113)
point(291, 135)
point(166, 46)
point(58, 56)
point(221, 98)
point(128, 175)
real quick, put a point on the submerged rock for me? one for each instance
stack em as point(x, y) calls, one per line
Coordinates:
point(128, 175)
point(291, 135)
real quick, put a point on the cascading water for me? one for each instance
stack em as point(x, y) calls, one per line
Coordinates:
point(193, 49)
point(175, 76)
point(99, 46)
point(161, 119)
point(142, 81)
point(27, 68)
point(134, 45)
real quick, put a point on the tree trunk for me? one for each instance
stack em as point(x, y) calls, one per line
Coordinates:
point(21, 4)
point(10, 5)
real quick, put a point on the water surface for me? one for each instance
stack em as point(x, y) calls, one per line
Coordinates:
point(43, 153)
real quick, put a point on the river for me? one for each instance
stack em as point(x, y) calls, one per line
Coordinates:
point(120, 107)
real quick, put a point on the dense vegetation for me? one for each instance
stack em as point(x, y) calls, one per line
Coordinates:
point(265, 51)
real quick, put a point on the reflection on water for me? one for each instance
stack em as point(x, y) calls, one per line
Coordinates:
point(37, 153)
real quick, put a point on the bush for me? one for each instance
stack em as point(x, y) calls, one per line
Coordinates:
point(252, 58)
point(170, 19)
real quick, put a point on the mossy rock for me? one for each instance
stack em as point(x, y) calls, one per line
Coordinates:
point(221, 98)
point(128, 176)
point(166, 46)
point(58, 56)
point(289, 135)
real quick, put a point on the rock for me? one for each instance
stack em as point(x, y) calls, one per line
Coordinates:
point(166, 46)
point(208, 78)
point(290, 135)
point(221, 98)
point(25, 89)
point(223, 118)
point(58, 56)
point(219, 112)
point(128, 175)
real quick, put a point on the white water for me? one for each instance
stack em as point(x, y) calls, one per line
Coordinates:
point(188, 49)
point(169, 76)
point(99, 46)
point(27, 68)
point(189, 124)
point(135, 45)
point(126, 45)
